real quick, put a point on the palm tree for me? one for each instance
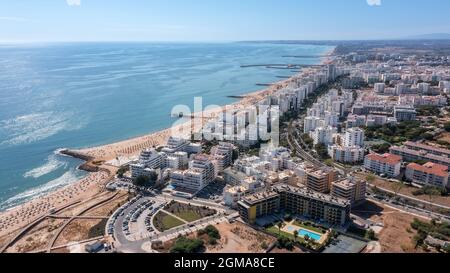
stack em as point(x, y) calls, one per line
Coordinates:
point(295, 235)
point(279, 225)
point(307, 237)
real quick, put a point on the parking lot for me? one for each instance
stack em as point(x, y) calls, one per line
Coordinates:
point(133, 220)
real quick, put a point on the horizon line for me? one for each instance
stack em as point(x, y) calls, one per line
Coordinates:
point(218, 41)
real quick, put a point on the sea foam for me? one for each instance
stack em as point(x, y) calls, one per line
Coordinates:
point(52, 164)
point(66, 179)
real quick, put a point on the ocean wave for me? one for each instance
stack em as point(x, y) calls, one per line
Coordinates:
point(64, 180)
point(35, 127)
point(52, 164)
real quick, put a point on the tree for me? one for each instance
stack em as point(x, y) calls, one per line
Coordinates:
point(446, 248)
point(212, 232)
point(284, 242)
point(280, 226)
point(306, 237)
point(121, 172)
point(295, 235)
point(371, 235)
point(322, 151)
point(307, 140)
point(141, 181)
point(447, 126)
point(382, 148)
point(264, 245)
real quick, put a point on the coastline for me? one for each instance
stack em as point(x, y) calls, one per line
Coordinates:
point(132, 146)
point(100, 173)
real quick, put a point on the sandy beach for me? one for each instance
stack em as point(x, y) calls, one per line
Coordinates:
point(16, 218)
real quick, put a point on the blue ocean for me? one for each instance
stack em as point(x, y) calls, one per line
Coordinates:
point(79, 95)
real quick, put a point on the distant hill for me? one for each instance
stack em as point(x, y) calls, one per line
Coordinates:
point(433, 36)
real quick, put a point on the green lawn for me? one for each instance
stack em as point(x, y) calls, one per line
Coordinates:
point(311, 228)
point(167, 221)
point(189, 216)
point(275, 231)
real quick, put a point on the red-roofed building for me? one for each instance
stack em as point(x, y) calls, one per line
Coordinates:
point(430, 174)
point(387, 164)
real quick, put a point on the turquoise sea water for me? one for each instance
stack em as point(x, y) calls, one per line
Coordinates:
point(79, 95)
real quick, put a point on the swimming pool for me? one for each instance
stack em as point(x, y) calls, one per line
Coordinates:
point(302, 233)
point(315, 236)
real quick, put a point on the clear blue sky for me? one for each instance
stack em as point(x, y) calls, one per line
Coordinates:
point(219, 20)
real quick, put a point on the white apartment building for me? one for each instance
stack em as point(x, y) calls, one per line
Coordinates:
point(223, 153)
point(379, 87)
point(430, 174)
point(140, 170)
point(190, 180)
point(311, 123)
point(387, 164)
point(354, 137)
point(201, 172)
point(405, 113)
point(346, 154)
point(323, 135)
point(232, 195)
point(175, 145)
point(151, 158)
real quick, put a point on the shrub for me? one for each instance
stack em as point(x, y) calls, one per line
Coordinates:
point(286, 243)
point(186, 245)
point(211, 231)
point(212, 241)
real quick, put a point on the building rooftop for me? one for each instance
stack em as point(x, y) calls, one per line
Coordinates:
point(312, 194)
point(318, 173)
point(416, 145)
point(421, 153)
point(259, 197)
point(430, 168)
point(386, 158)
point(346, 184)
point(236, 189)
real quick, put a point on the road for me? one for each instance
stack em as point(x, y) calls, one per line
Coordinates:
point(295, 146)
point(410, 198)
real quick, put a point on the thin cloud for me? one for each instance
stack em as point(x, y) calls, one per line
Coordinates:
point(73, 2)
point(152, 28)
point(13, 19)
point(374, 2)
